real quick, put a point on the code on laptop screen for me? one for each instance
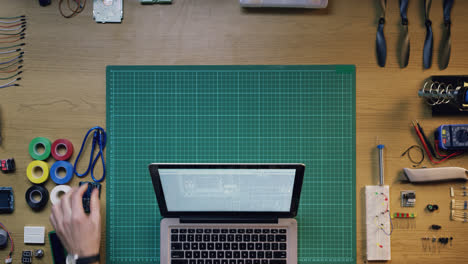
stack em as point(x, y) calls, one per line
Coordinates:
point(228, 190)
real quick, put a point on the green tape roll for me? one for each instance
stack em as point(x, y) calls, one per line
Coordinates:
point(35, 144)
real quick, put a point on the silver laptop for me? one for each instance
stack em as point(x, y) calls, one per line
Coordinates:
point(228, 213)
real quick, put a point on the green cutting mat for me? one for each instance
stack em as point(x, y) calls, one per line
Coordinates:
point(277, 114)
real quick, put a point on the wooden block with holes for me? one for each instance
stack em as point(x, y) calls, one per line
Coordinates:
point(378, 223)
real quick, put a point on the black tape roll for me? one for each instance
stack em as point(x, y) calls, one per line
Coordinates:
point(43, 194)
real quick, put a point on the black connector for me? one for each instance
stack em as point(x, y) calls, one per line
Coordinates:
point(7, 165)
point(87, 194)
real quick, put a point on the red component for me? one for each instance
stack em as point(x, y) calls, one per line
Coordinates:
point(397, 214)
point(380, 246)
point(65, 143)
point(407, 215)
point(8, 165)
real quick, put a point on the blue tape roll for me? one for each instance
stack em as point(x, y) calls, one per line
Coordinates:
point(54, 172)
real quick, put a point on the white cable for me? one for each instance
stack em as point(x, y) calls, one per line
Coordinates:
point(9, 84)
point(12, 21)
point(14, 58)
point(10, 51)
point(12, 29)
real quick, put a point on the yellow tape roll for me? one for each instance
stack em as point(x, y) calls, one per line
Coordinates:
point(38, 171)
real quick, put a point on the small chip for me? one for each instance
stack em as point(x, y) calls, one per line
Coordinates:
point(408, 198)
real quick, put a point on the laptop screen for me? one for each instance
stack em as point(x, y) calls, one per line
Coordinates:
point(227, 189)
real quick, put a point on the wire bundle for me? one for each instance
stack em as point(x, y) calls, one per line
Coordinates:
point(387, 211)
point(434, 156)
point(79, 6)
point(12, 35)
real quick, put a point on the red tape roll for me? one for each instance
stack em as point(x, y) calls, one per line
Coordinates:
point(62, 143)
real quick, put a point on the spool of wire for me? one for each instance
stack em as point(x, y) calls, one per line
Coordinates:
point(41, 193)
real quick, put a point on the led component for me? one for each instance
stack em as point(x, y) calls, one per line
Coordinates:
point(403, 215)
point(26, 257)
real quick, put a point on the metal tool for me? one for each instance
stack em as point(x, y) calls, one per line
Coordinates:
point(445, 93)
point(381, 166)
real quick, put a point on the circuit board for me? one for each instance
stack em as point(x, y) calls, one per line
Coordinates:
point(232, 114)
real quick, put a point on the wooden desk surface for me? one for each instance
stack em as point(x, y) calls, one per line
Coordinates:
point(62, 93)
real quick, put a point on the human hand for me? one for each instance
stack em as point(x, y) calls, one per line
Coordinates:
point(79, 233)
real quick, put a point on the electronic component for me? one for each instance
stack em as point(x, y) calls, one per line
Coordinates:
point(459, 216)
point(108, 11)
point(59, 254)
point(3, 239)
point(432, 207)
point(44, 2)
point(26, 257)
point(445, 240)
point(38, 253)
point(436, 227)
point(446, 94)
point(408, 198)
point(7, 165)
point(453, 137)
point(8, 259)
point(458, 193)
point(433, 153)
point(34, 234)
point(87, 194)
point(378, 225)
point(7, 201)
point(403, 215)
point(460, 205)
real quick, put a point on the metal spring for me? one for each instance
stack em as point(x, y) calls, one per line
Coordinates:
point(437, 93)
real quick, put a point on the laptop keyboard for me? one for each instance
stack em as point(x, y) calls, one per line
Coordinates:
point(228, 246)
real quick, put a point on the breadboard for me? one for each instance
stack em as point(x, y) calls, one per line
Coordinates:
point(232, 114)
point(378, 213)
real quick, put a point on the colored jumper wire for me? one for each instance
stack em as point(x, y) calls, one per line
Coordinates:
point(433, 157)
